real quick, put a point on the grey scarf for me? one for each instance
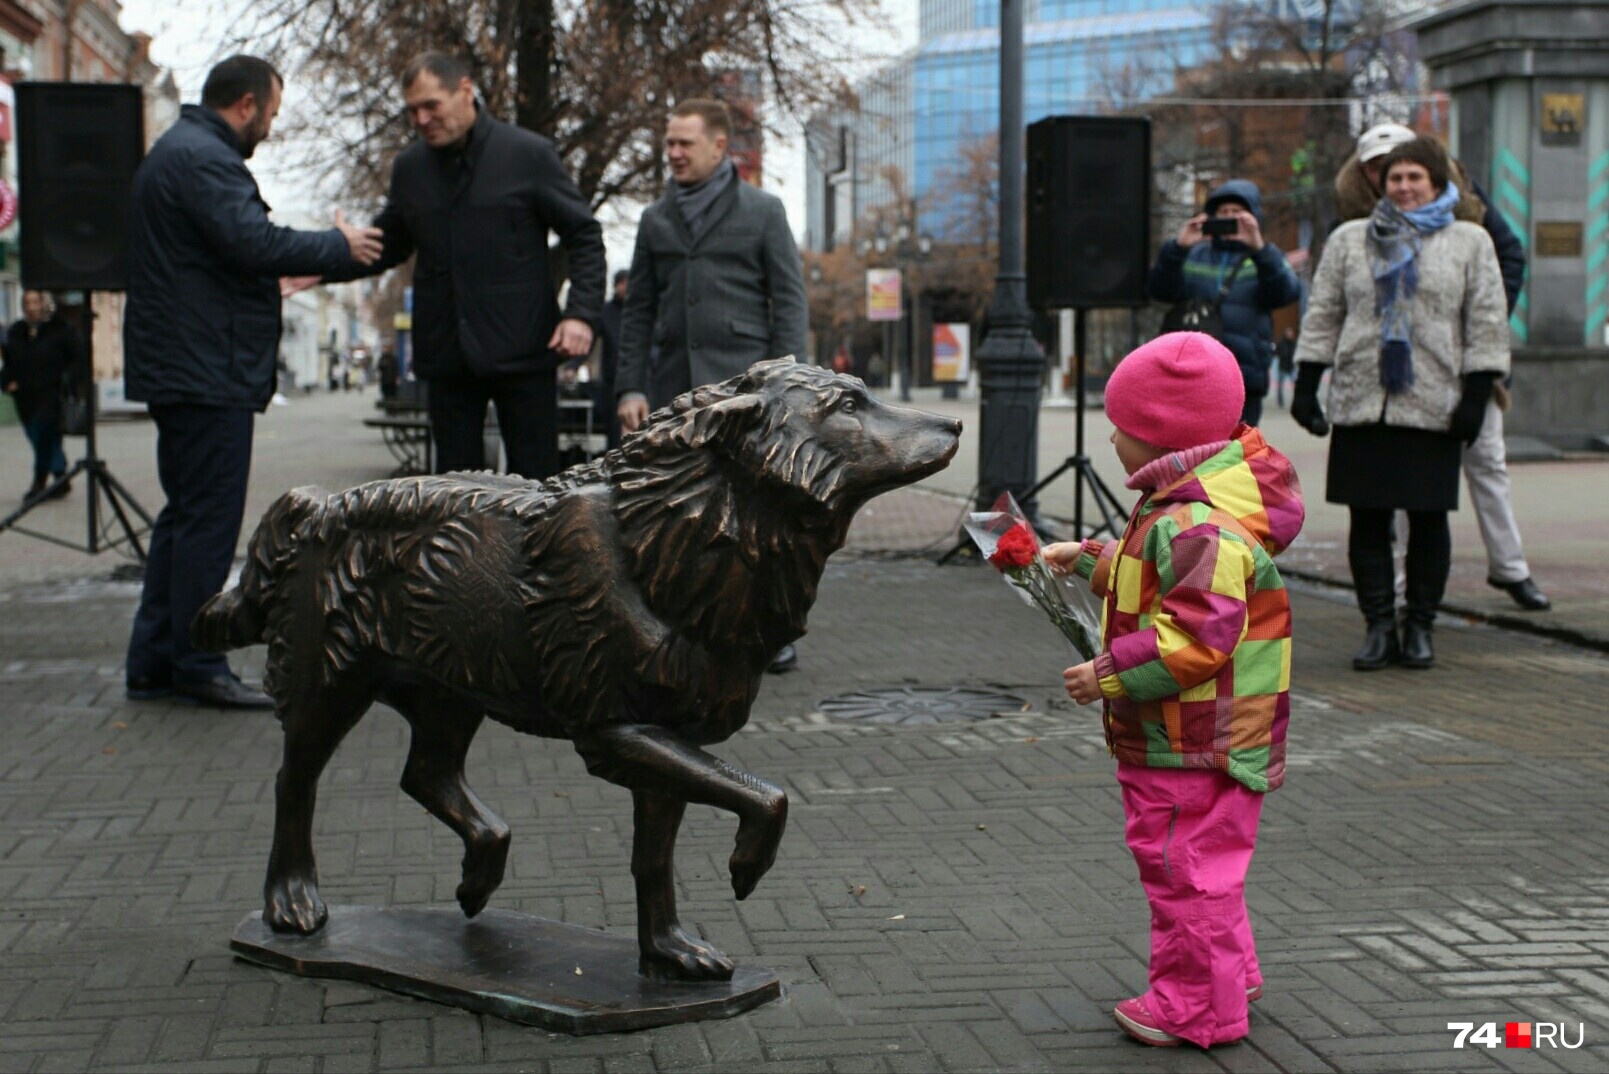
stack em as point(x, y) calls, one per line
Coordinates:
point(696, 201)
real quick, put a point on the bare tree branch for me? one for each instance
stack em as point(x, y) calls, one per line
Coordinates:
point(595, 75)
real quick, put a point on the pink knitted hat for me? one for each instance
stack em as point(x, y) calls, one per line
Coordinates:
point(1177, 391)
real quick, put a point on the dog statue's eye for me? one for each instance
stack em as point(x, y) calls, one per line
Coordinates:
point(848, 406)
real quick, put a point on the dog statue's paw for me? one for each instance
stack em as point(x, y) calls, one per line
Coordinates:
point(293, 904)
point(674, 955)
point(483, 871)
point(758, 838)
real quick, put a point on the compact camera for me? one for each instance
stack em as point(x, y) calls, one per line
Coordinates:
point(1220, 226)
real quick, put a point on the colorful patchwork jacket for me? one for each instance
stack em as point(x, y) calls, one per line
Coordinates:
point(1196, 623)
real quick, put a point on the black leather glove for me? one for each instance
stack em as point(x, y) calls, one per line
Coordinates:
point(1470, 414)
point(1304, 401)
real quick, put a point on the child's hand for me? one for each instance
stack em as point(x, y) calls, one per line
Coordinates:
point(1062, 555)
point(1083, 686)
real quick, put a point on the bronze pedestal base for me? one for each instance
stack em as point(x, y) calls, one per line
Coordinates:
point(511, 965)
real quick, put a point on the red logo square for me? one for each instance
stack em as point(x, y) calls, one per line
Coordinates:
point(1517, 1034)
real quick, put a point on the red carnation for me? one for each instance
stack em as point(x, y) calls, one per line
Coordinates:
point(1017, 548)
point(1015, 554)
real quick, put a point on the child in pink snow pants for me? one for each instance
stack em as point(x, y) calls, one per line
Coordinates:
point(1194, 673)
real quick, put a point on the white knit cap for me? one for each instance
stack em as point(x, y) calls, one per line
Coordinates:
point(1381, 139)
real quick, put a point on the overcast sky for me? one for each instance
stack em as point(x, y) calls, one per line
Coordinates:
point(187, 33)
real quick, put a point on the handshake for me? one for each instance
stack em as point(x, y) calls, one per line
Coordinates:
point(365, 244)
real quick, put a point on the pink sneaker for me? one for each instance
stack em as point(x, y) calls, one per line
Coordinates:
point(1139, 1023)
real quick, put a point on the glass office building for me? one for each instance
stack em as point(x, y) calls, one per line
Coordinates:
point(920, 114)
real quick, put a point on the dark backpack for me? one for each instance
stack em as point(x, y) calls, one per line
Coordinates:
point(1202, 314)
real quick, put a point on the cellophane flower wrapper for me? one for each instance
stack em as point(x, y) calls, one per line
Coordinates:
point(1007, 540)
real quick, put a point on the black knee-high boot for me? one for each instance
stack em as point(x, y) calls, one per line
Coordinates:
point(1429, 561)
point(1368, 551)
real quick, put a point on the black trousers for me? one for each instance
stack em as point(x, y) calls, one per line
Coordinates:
point(1428, 562)
point(203, 459)
point(527, 415)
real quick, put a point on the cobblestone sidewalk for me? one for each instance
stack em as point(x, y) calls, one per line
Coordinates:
point(948, 897)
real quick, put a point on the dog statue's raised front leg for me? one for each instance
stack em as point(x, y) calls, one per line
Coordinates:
point(654, 763)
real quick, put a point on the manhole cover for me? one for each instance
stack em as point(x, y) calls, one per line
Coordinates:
point(922, 704)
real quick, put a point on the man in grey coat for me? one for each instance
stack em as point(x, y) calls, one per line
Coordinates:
point(716, 280)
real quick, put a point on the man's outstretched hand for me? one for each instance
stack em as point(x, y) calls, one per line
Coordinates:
point(365, 243)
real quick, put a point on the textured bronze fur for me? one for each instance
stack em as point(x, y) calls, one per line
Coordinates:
point(629, 605)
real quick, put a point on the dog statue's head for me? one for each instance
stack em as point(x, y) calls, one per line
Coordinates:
point(810, 430)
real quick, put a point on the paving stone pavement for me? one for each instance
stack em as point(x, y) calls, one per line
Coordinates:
point(948, 897)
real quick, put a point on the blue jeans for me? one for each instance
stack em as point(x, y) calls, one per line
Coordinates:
point(44, 433)
point(203, 458)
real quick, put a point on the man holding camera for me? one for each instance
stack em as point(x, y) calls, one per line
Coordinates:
point(1219, 258)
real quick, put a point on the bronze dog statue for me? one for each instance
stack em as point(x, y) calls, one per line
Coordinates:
point(629, 605)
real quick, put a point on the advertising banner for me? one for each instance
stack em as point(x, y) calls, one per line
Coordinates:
point(883, 294)
point(952, 352)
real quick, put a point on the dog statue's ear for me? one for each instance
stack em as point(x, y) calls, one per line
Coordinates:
point(758, 373)
point(723, 422)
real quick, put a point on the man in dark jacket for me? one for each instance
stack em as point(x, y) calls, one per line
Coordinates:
point(42, 351)
point(200, 338)
point(716, 280)
point(476, 198)
point(1258, 278)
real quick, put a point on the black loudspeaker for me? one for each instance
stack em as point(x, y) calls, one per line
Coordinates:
point(78, 144)
point(1089, 211)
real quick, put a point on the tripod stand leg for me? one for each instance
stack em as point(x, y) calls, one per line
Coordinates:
point(1107, 503)
point(114, 485)
point(116, 496)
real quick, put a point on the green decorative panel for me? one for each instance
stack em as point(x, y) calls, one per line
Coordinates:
point(1511, 177)
point(1595, 241)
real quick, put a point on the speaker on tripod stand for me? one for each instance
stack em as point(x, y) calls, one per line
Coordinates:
point(78, 145)
point(1089, 247)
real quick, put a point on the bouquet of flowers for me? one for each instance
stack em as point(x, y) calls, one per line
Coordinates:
point(1006, 539)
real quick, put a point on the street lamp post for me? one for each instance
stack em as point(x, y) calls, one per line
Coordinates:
point(1010, 362)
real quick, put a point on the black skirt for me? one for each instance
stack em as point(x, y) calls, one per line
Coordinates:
point(1388, 467)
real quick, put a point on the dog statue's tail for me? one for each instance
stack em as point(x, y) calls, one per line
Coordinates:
point(237, 617)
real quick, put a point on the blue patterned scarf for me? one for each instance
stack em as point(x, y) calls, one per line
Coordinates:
point(1393, 245)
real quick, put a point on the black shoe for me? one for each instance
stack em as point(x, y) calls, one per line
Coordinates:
point(148, 687)
point(224, 692)
point(61, 490)
point(34, 490)
point(1525, 594)
point(1416, 648)
point(787, 659)
point(1380, 648)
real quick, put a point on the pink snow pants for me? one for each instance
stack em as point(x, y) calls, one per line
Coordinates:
point(1192, 832)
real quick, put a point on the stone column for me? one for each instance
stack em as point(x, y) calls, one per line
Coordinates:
point(1530, 86)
